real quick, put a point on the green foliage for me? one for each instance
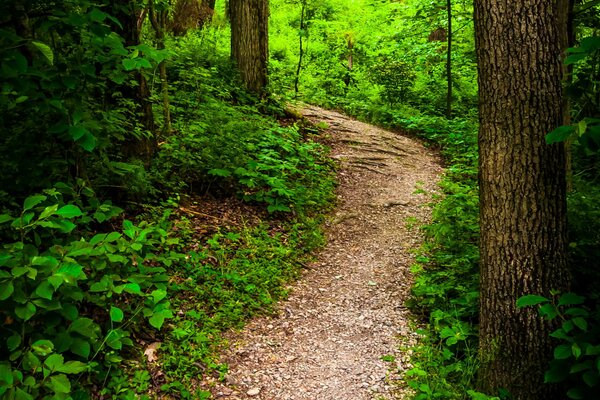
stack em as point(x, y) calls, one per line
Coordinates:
point(577, 356)
point(445, 292)
point(55, 275)
point(231, 277)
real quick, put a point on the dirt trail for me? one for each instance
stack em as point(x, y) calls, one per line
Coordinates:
point(348, 310)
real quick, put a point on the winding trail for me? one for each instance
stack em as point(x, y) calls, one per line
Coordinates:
point(347, 311)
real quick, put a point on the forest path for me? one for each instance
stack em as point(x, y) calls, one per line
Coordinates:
point(347, 310)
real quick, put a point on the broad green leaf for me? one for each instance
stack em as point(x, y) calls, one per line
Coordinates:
point(591, 378)
point(42, 347)
point(31, 361)
point(33, 201)
point(133, 288)
point(562, 352)
point(6, 375)
point(576, 394)
point(20, 394)
point(219, 172)
point(530, 300)
point(85, 327)
point(48, 211)
point(158, 295)
point(569, 299)
point(59, 384)
point(45, 261)
point(96, 15)
point(581, 323)
point(77, 132)
point(72, 367)
point(88, 142)
point(4, 218)
point(45, 290)
point(6, 289)
point(576, 350)
point(54, 361)
point(560, 134)
point(130, 64)
point(81, 347)
point(26, 311)
point(158, 318)
point(69, 211)
point(13, 342)
point(45, 50)
point(581, 366)
point(556, 374)
point(116, 314)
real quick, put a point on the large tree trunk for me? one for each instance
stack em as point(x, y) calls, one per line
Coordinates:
point(449, 61)
point(249, 41)
point(522, 189)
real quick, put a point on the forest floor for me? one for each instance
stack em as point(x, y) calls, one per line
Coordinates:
point(339, 334)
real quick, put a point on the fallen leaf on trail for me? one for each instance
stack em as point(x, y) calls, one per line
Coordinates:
point(150, 351)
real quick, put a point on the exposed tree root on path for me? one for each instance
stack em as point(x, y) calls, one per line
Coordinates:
point(347, 311)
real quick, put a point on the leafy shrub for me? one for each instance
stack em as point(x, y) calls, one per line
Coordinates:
point(70, 301)
point(577, 356)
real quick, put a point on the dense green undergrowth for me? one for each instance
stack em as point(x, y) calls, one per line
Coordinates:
point(86, 286)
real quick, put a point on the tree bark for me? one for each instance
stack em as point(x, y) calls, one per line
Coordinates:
point(301, 47)
point(249, 41)
point(449, 61)
point(159, 20)
point(522, 190)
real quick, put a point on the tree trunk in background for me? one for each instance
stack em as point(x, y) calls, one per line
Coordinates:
point(132, 18)
point(249, 41)
point(159, 20)
point(522, 190)
point(301, 48)
point(449, 61)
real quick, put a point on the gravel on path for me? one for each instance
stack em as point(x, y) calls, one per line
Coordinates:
point(347, 311)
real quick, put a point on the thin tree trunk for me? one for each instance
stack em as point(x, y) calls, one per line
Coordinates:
point(301, 48)
point(522, 190)
point(159, 20)
point(449, 62)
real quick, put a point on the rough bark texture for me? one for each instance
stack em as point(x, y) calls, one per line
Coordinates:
point(249, 41)
point(522, 189)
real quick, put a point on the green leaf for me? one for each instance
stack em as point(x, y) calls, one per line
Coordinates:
point(158, 295)
point(219, 172)
point(6, 375)
point(85, 327)
point(580, 323)
point(54, 361)
point(72, 367)
point(45, 50)
point(45, 290)
point(591, 378)
point(48, 211)
point(575, 394)
point(20, 394)
point(25, 312)
point(562, 352)
point(97, 16)
point(129, 64)
point(6, 289)
point(560, 134)
point(42, 347)
point(33, 201)
point(569, 299)
point(530, 300)
point(158, 318)
point(116, 314)
point(69, 211)
point(81, 347)
point(88, 142)
point(4, 218)
point(59, 384)
point(77, 132)
point(13, 342)
point(576, 350)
